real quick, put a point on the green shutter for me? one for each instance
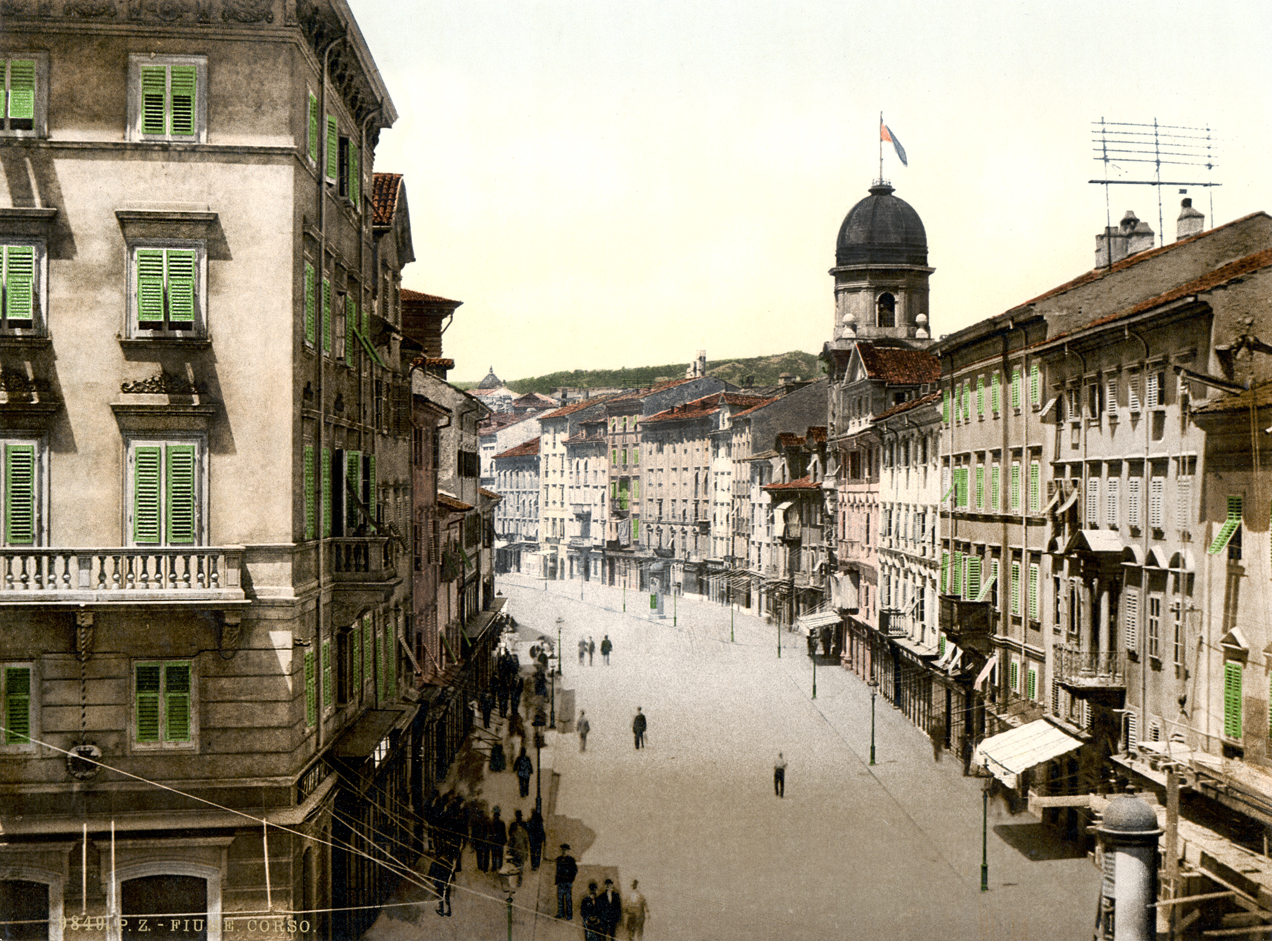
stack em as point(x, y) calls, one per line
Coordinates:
point(357, 658)
point(333, 147)
point(980, 486)
point(351, 328)
point(1035, 385)
point(993, 393)
point(945, 406)
point(17, 705)
point(1035, 589)
point(311, 692)
point(1035, 486)
point(150, 279)
point(22, 89)
point(313, 128)
point(1015, 387)
point(994, 487)
point(148, 464)
point(154, 95)
point(390, 660)
point(1031, 684)
point(308, 484)
point(354, 185)
point(371, 485)
point(326, 315)
point(185, 79)
point(176, 704)
point(980, 396)
point(311, 303)
point(328, 680)
point(956, 574)
point(1015, 675)
point(368, 648)
point(945, 572)
point(19, 494)
point(19, 283)
point(378, 641)
point(1229, 527)
point(635, 488)
point(1015, 588)
point(973, 566)
point(182, 273)
point(353, 489)
point(181, 488)
point(326, 492)
point(147, 702)
point(1232, 699)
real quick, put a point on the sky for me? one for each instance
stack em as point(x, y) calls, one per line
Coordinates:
point(610, 184)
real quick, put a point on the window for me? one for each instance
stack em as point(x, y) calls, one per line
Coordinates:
point(1015, 676)
point(311, 129)
point(1133, 393)
point(326, 492)
point(19, 714)
point(956, 574)
point(167, 291)
point(1035, 486)
point(945, 571)
point(1183, 501)
point(333, 149)
point(1156, 397)
point(1110, 397)
point(350, 174)
point(945, 406)
point(1035, 592)
point(310, 496)
point(22, 277)
point(328, 681)
point(1031, 684)
point(23, 96)
point(1015, 387)
point(166, 98)
point(1130, 618)
point(993, 393)
point(1232, 699)
point(972, 570)
point(23, 499)
point(1015, 485)
point(994, 487)
point(1015, 588)
point(165, 492)
point(326, 316)
point(1110, 501)
point(1035, 390)
point(162, 703)
point(311, 306)
point(1155, 626)
point(1133, 486)
point(1093, 501)
point(980, 486)
point(1228, 531)
point(1156, 494)
point(311, 691)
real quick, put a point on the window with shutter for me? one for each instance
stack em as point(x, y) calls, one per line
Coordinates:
point(1183, 501)
point(1035, 487)
point(1093, 501)
point(993, 393)
point(368, 650)
point(1131, 733)
point(22, 493)
point(980, 396)
point(1015, 387)
point(163, 703)
point(167, 296)
point(994, 488)
point(1035, 591)
point(1130, 618)
point(333, 148)
point(1014, 673)
point(1110, 396)
point(328, 677)
point(351, 328)
point(21, 277)
point(956, 574)
point(1133, 392)
point(307, 483)
point(1232, 699)
point(1031, 684)
point(22, 94)
point(326, 492)
point(1156, 495)
point(1228, 528)
point(326, 316)
point(354, 183)
point(1035, 389)
point(980, 486)
point(1133, 486)
point(1111, 487)
point(945, 571)
point(166, 97)
point(1015, 485)
point(1154, 389)
point(166, 492)
point(972, 566)
point(1015, 588)
point(945, 406)
point(312, 129)
point(18, 722)
point(967, 400)
point(311, 306)
point(311, 691)
point(377, 639)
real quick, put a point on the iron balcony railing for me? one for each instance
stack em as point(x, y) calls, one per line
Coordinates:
point(1092, 669)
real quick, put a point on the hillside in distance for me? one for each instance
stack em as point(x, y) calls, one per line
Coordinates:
point(753, 371)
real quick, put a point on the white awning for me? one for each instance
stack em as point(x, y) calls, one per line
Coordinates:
point(817, 620)
point(1015, 751)
point(984, 673)
point(779, 519)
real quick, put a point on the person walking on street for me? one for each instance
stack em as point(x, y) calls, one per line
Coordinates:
point(591, 650)
point(638, 728)
point(582, 649)
point(779, 776)
point(634, 911)
point(487, 707)
point(937, 731)
point(611, 909)
point(537, 835)
point(498, 840)
point(584, 728)
point(566, 872)
point(524, 768)
point(593, 915)
point(518, 845)
point(479, 834)
point(606, 646)
point(442, 871)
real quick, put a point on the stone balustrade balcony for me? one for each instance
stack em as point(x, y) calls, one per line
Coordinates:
point(130, 574)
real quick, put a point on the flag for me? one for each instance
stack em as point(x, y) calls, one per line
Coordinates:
point(885, 133)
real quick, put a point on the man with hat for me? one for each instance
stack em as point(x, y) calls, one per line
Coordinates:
point(611, 909)
point(593, 911)
point(566, 872)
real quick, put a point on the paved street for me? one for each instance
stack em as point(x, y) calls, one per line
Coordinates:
point(851, 851)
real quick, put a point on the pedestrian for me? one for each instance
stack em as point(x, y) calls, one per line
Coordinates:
point(634, 911)
point(591, 650)
point(457, 824)
point(433, 818)
point(638, 728)
point(514, 695)
point(497, 758)
point(543, 660)
point(582, 649)
point(606, 646)
point(965, 750)
point(524, 768)
point(779, 776)
point(479, 834)
point(487, 707)
point(584, 728)
point(611, 909)
point(593, 915)
point(540, 681)
point(826, 639)
point(518, 844)
point(498, 833)
point(537, 835)
point(937, 731)
point(441, 872)
point(566, 871)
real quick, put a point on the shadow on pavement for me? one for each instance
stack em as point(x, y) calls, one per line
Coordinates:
point(1037, 841)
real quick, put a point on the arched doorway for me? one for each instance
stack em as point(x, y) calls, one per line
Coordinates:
point(168, 895)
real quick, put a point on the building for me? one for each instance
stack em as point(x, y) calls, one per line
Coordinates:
point(797, 561)
point(558, 480)
point(213, 593)
point(517, 519)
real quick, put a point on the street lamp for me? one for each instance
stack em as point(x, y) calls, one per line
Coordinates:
point(560, 621)
point(508, 874)
point(874, 691)
point(988, 783)
point(539, 722)
point(815, 674)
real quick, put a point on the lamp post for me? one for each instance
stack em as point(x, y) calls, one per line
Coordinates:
point(560, 621)
point(989, 782)
point(815, 676)
point(874, 691)
point(540, 720)
point(732, 611)
point(508, 877)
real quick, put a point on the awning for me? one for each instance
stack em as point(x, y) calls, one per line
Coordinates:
point(1015, 751)
point(1071, 499)
point(1096, 541)
point(817, 620)
point(987, 669)
point(1050, 414)
point(779, 519)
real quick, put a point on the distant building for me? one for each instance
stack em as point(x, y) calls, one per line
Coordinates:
point(517, 518)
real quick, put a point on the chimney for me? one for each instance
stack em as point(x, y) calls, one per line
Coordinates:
point(1130, 236)
point(1190, 221)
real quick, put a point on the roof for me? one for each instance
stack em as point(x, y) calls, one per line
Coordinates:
point(788, 439)
point(1260, 396)
point(803, 483)
point(459, 506)
point(384, 193)
point(700, 408)
point(929, 399)
point(817, 433)
point(527, 449)
point(641, 393)
point(584, 438)
point(419, 297)
point(899, 366)
point(755, 408)
point(489, 494)
point(881, 230)
point(576, 407)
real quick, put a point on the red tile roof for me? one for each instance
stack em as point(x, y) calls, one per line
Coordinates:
point(419, 297)
point(755, 408)
point(384, 194)
point(489, 494)
point(446, 500)
point(928, 399)
point(576, 407)
point(700, 408)
point(522, 450)
point(899, 366)
point(788, 439)
point(817, 433)
point(639, 393)
point(804, 483)
point(1261, 396)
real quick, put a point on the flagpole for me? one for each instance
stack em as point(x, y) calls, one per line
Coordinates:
point(880, 146)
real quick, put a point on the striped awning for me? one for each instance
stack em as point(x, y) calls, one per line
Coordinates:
point(1011, 753)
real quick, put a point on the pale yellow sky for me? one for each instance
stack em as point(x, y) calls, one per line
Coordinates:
point(610, 184)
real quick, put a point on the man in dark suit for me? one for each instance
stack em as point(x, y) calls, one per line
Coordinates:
point(593, 913)
point(611, 909)
point(566, 871)
point(638, 728)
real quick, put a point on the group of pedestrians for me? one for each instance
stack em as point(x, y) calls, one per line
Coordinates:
point(601, 914)
point(640, 725)
point(587, 648)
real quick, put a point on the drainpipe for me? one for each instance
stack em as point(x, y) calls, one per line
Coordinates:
point(1143, 600)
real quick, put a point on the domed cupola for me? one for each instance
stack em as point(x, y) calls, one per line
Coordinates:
point(491, 381)
point(881, 271)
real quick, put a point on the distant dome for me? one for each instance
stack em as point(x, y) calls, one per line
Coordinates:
point(491, 381)
point(882, 230)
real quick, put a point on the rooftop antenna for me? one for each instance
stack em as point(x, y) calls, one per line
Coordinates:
point(1120, 142)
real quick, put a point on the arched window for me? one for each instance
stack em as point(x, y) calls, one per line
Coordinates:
point(887, 310)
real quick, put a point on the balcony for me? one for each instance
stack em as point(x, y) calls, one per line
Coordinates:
point(194, 574)
point(1091, 673)
point(966, 622)
point(364, 573)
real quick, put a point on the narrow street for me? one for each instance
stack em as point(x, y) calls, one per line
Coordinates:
point(852, 850)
